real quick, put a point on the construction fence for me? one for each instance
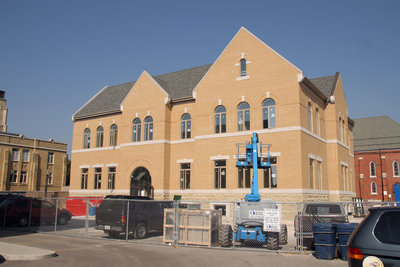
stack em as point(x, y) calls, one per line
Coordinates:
point(274, 227)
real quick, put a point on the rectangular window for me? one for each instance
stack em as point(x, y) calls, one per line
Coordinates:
point(13, 176)
point(319, 175)
point(244, 178)
point(220, 174)
point(111, 177)
point(49, 178)
point(15, 154)
point(84, 177)
point(221, 207)
point(185, 176)
point(50, 158)
point(312, 173)
point(25, 155)
point(97, 178)
point(23, 179)
point(271, 175)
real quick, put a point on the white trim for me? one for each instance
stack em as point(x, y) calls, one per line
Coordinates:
point(344, 164)
point(84, 166)
point(98, 165)
point(33, 147)
point(184, 161)
point(112, 165)
point(242, 78)
point(243, 191)
point(106, 148)
point(182, 141)
point(335, 141)
point(151, 77)
point(219, 157)
point(311, 156)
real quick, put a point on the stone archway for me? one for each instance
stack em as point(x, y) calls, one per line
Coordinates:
point(141, 183)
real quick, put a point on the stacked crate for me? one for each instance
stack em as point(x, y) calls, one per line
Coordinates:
point(193, 227)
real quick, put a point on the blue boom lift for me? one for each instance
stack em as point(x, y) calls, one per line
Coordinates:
point(249, 213)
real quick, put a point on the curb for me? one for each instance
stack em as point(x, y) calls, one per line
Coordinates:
point(13, 252)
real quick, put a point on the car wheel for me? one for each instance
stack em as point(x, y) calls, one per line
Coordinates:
point(62, 219)
point(23, 220)
point(140, 231)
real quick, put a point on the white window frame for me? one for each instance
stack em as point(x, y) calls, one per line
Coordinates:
point(50, 158)
point(15, 154)
point(23, 177)
point(14, 174)
point(370, 170)
point(395, 162)
point(374, 192)
point(25, 155)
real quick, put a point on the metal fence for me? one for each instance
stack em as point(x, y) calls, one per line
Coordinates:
point(276, 227)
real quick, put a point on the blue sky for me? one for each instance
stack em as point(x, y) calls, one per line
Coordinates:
point(55, 55)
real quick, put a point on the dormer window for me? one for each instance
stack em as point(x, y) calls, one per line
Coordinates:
point(243, 71)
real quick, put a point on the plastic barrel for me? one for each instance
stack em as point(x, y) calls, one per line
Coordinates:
point(324, 240)
point(344, 231)
point(92, 211)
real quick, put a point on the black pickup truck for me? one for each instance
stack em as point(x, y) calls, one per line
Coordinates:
point(141, 214)
point(317, 212)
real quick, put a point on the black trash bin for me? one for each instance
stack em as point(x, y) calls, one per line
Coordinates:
point(324, 240)
point(344, 231)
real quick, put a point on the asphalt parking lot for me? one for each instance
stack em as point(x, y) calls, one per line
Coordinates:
point(77, 251)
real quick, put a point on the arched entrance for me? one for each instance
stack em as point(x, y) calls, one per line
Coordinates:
point(141, 183)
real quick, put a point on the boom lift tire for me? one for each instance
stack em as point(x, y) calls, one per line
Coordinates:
point(283, 235)
point(225, 235)
point(273, 241)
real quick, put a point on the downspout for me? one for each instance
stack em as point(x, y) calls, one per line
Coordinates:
point(380, 159)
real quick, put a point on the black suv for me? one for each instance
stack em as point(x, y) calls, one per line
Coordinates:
point(141, 214)
point(376, 241)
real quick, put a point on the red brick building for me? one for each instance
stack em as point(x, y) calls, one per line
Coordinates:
point(377, 158)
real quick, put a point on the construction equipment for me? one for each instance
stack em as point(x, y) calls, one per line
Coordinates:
point(252, 212)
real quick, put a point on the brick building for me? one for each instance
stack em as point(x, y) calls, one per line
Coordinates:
point(176, 133)
point(34, 166)
point(377, 157)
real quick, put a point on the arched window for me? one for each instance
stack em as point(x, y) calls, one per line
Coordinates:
point(243, 116)
point(269, 117)
point(136, 129)
point(113, 135)
point(309, 117)
point(86, 138)
point(220, 119)
point(148, 128)
point(372, 169)
point(186, 126)
point(374, 188)
point(99, 136)
point(396, 172)
point(243, 71)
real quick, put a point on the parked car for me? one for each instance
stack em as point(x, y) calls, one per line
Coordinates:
point(317, 212)
point(142, 216)
point(23, 211)
point(376, 240)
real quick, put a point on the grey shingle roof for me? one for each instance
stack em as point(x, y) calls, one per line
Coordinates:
point(326, 84)
point(376, 133)
point(178, 85)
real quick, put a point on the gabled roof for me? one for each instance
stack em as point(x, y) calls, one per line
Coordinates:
point(178, 85)
point(327, 84)
point(376, 133)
